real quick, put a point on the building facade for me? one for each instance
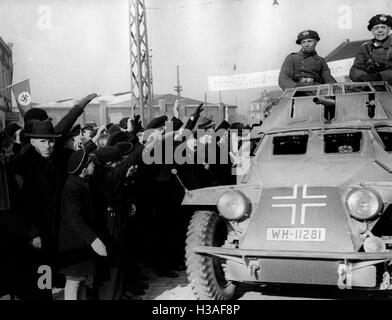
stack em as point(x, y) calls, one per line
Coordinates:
point(6, 70)
point(111, 109)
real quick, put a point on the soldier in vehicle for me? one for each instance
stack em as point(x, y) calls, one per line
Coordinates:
point(305, 67)
point(373, 61)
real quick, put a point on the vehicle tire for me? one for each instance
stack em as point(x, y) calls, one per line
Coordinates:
point(205, 273)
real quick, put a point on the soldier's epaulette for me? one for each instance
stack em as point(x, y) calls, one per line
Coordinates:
point(292, 53)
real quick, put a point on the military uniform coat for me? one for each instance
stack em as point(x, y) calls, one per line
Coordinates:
point(369, 56)
point(301, 65)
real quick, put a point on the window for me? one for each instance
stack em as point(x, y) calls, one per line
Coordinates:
point(337, 89)
point(380, 87)
point(385, 134)
point(305, 92)
point(352, 88)
point(323, 91)
point(347, 142)
point(254, 144)
point(294, 144)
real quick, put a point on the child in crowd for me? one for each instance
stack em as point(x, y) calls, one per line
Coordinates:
point(78, 239)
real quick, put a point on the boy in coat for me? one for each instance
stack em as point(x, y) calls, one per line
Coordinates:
point(78, 238)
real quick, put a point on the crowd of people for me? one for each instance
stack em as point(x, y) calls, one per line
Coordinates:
point(87, 203)
point(84, 202)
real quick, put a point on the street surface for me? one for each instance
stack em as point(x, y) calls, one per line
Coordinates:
point(164, 288)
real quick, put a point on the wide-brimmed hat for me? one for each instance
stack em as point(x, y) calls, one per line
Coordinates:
point(42, 129)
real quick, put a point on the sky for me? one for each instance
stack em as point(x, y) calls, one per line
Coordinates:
point(70, 48)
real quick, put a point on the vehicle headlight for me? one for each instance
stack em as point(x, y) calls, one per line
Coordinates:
point(233, 205)
point(364, 203)
point(374, 244)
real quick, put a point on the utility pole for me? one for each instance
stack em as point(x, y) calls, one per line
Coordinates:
point(151, 82)
point(178, 89)
point(141, 91)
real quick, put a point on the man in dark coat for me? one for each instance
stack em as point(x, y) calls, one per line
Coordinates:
point(305, 67)
point(373, 61)
point(39, 166)
point(42, 165)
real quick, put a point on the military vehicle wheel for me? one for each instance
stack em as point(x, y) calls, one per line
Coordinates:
point(205, 273)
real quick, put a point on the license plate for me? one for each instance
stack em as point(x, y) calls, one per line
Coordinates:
point(296, 234)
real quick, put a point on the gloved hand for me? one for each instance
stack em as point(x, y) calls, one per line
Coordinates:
point(199, 110)
point(85, 101)
point(136, 124)
point(370, 77)
point(99, 247)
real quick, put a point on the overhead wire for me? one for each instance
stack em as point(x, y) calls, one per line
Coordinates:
point(193, 4)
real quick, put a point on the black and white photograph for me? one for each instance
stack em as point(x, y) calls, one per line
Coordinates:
point(184, 150)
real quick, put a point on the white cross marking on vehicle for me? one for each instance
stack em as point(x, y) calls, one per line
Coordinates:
point(293, 206)
point(293, 209)
point(294, 196)
point(305, 195)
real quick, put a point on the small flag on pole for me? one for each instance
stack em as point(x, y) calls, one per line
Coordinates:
point(22, 95)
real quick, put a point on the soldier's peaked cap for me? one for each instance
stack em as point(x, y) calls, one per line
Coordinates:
point(78, 161)
point(380, 19)
point(157, 122)
point(307, 34)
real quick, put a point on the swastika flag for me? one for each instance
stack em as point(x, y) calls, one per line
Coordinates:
point(22, 95)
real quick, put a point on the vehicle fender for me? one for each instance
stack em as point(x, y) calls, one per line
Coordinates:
point(209, 196)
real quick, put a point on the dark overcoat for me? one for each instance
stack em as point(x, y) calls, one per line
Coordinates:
point(77, 228)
